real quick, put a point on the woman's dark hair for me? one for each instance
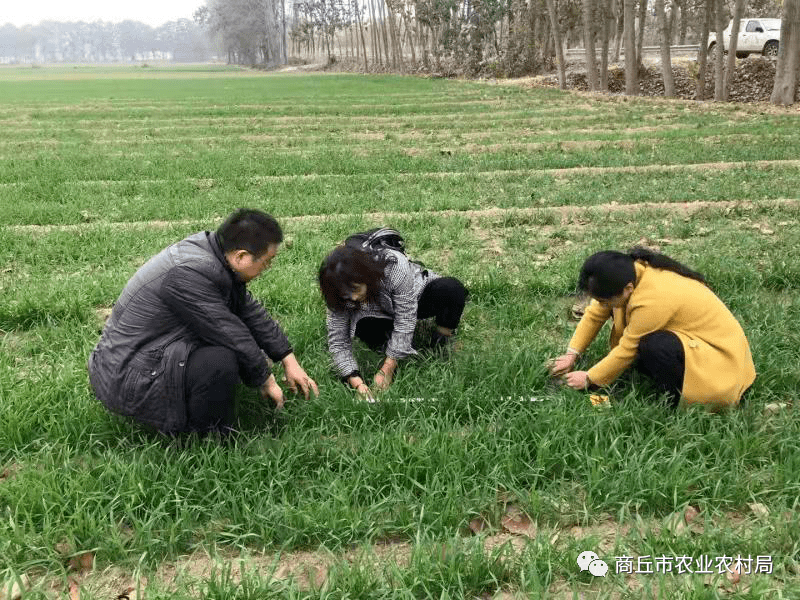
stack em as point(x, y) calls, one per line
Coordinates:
point(251, 230)
point(605, 274)
point(345, 267)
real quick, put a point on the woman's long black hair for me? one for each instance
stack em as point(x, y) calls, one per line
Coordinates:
point(605, 274)
point(346, 267)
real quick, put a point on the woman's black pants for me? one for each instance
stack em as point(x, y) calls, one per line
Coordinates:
point(661, 357)
point(443, 298)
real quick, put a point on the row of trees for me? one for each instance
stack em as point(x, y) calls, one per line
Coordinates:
point(503, 37)
point(506, 37)
point(182, 40)
point(251, 31)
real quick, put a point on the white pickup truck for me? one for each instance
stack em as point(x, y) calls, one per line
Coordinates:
point(755, 36)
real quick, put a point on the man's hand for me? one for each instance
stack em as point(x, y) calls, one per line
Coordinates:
point(384, 376)
point(272, 390)
point(578, 380)
point(297, 377)
point(563, 364)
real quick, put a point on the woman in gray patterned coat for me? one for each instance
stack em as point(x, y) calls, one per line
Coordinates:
point(378, 297)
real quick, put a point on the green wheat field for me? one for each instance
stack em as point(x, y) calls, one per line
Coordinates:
point(475, 476)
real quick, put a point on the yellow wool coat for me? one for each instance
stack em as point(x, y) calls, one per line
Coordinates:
point(719, 366)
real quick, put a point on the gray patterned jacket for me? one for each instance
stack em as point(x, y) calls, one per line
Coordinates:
point(398, 297)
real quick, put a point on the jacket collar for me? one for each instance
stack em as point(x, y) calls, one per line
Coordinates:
point(622, 311)
point(216, 248)
point(640, 268)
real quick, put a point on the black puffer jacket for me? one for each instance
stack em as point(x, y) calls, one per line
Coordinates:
point(183, 298)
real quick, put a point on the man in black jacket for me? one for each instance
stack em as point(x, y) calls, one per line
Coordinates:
point(185, 331)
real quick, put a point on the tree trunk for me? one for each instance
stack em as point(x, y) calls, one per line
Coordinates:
point(394, 37)
point(673, 17)
point(384, 32)
point(436, 47)
point(374, 35)
point(363, 41)
point(619, 35)
point(640, 37)
point(702, 54)
point(410, 30)
point(284, 53)
point(588, 43)
point(423, 45)
point(562, 76)
point(534, 50)
point(545, 40)
point(730, 66)
point(787, 71)
point(631, 64)
point(607, 7)
point(666, 59)
point(684, 23)
point(719, 56)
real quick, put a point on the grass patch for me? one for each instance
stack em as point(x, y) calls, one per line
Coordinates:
point(116, 167)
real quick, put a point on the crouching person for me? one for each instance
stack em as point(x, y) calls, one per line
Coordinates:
point(375, 293)
point(667, 324)
point(185, 331)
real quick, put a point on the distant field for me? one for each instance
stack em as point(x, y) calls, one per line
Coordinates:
point(474, 491)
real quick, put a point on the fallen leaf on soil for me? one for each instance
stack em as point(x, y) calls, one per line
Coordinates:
point(64, 548)
point(478, 524)
point(540, 259)
point(762, 228)
point(734, 575)
point(774, 408)
point(647, 243)
point(517, 522)
point(13, 590)
point(74, 590)
point(600, 400)
point(577, 309)
point(675, 523)
point(690, 517)
point(690, 513)
point(759, 509)
point(82, 562)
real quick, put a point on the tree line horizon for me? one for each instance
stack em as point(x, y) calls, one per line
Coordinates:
point(503, 38)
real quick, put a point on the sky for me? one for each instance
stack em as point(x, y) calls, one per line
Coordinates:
point(151, 12)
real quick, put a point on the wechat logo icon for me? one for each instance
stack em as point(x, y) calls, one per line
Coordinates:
point(589, 561)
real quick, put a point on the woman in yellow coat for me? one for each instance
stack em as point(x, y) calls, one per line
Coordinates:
point(667, 323)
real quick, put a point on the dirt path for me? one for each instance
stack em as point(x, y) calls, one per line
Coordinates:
point(562, 172)
point(564, 212)
point(312, 568)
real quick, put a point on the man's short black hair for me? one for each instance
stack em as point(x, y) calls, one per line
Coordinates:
point(251, 230)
